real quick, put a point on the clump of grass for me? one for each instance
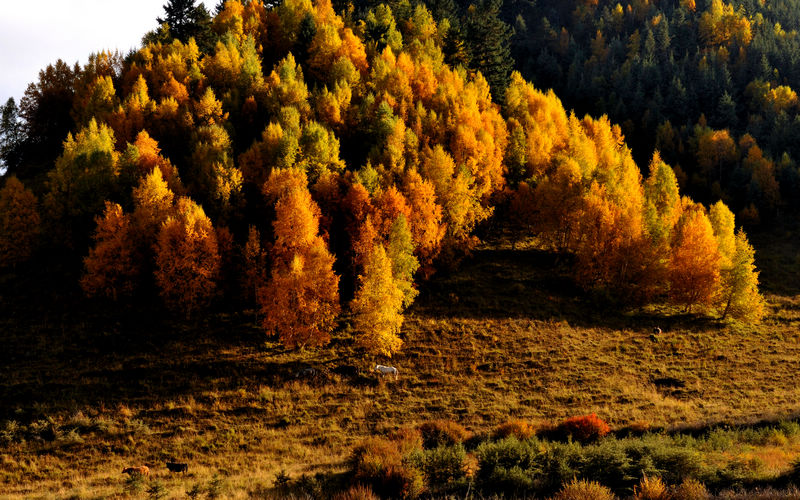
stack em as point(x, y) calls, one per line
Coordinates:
point(508, 466)
point(651, 488)
point(584, 490)
point(444, 467)
point(408, 439)
point(134, 483)
point(357, 492)
point(691, 489)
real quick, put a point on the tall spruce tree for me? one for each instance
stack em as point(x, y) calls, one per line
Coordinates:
point(489, 44)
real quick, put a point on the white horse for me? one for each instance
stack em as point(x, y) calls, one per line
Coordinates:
point(386, 370)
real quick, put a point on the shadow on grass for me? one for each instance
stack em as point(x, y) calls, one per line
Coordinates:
point(534, 284)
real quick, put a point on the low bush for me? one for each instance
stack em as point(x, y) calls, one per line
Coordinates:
point(378, 463)
point(517, 428)
point(509, 466)
point(609, 463)
point(585, 428)
point(444, 467)
point(584, 490)
point(438, 433)
point(408, 440)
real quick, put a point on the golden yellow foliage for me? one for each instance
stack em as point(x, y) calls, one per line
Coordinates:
point(377, 306)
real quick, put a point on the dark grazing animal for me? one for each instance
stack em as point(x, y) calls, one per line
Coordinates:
point(142, 470)
point(177, 467)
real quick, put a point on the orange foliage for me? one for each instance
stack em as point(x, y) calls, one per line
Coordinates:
point(694, 267)
point(187, 258)
point(301, 300)
point(110, 267)
point(584, 428)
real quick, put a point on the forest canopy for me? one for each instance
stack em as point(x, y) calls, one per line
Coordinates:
point(312, 162)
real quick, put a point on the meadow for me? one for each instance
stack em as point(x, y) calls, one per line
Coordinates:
point(90, 389)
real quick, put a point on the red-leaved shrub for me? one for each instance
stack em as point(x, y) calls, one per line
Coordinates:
point(584, 428)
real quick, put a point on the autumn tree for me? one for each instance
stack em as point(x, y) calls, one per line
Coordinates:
point(142, 157)
point(377, 306)
point(19, 223)
point(216, 179)
point(694, 267)
point(111, 269)
point(400, 250)
point(187, 258)
point(254, 264)
point(85, 175)
point(662, 202)
point(153, 203)
point(740, 297)
point(722, 222)
point(301, 300)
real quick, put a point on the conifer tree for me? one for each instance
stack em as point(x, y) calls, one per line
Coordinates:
point(740, 296)
point(377, 306)
point(400, 251)
point(187, 258)
point(301, 300)
point(694, 268)
point(111, 268)
point(19, 223)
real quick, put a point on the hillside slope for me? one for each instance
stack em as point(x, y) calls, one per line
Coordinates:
point(505, 336)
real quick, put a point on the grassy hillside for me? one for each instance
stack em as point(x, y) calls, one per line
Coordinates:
point(505, 336)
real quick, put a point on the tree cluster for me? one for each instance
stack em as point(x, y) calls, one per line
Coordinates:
point(309, 165)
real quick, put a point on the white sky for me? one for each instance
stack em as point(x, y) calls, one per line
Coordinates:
point(35, 34)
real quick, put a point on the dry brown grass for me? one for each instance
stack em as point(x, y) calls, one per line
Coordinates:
point(504, 338)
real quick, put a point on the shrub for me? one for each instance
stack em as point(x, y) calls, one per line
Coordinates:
point(584, 428)
point(378, 463)
point(442, 433)
point(691, 489)
point(442, 466)
point(357, 492)
point(584, 490)
point(517, 428)
point(508, 466)
point(560, 463)
point(651, 488)
point(608, 463)
point(677, 463)
point(408, 439)
point(156, 490)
